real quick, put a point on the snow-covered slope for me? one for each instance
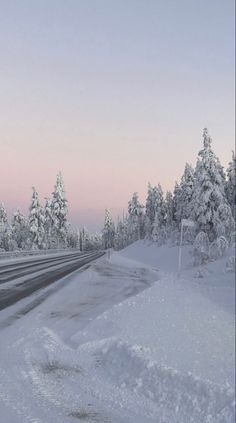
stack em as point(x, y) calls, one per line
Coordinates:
point(173, 344)
point(126, 341)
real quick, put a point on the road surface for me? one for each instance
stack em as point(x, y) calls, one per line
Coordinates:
point(20, 279)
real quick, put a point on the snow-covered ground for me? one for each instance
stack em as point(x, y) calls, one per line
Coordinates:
point(124, 341)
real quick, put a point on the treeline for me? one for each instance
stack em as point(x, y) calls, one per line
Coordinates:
point(46, 226)
point(205, 194)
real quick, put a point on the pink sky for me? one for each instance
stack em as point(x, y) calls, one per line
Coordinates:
point(95, 177)
point(112, 109)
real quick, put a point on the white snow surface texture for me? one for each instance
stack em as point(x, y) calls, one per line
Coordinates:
point(125, 341)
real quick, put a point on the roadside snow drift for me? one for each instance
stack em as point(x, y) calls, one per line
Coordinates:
point(124, 342)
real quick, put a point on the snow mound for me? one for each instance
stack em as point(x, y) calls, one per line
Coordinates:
point(178, 397)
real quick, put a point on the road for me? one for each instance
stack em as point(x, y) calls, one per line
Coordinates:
point(20, 279)
point(44, 326)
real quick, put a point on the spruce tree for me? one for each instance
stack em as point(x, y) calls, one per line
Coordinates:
point(72, 237)
point(121, 234)
point(86, 240)
point(224, 222)
point(4, 229)
point(3, 215)
point(169, 212)
point(208, 190)
point(48, 223)
point(155, 229)
point(59, 210)
point(155, 209)
point(230, 186)
point(175, 202)
point(108, 233)
point(36, 222)
point(21, 230)
point(150, 210)
point(136, 219)
point(185, 193)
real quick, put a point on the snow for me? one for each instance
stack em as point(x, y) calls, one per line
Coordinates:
point(125, 341)
point(18, 256)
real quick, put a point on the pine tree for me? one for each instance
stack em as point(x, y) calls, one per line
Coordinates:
point(81, 239)
point(21, 231)
point(149, 212)
point(96, 241)
point(108, 233)
point(155, 209)
point(59, 210)
point(153, 203)
point(230, 186)
point(208, 191)
point(150, 209)
point(136, 219)
point(121, 234)
point(72, 237)
point(36, 222)
point(4, 229)
point(3, 215)
point(169, 212)
point(155, 229)
point(224, 222)
point(48, 223)
point(175, 203)
point(84, 239)
point(185, 193)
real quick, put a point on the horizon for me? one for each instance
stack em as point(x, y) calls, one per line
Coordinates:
point(89, 215)
point(113, 95)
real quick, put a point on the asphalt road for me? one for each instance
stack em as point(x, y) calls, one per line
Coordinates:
point(33, 275)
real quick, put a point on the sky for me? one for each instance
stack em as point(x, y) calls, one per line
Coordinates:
point(114, 94)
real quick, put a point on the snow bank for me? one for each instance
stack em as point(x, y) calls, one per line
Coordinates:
point(172, 344)
point(164, 354)
point(180, 327)
point(177, 396)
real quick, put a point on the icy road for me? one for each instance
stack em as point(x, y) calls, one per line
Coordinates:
point(21, 278)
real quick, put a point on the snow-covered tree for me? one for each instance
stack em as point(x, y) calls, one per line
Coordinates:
point(218, 247)
point(224, 222)
point(230, 186)
point(36, 222)
point(208, 191)
point(48, 224)
point(176, 194)
point(231, 265)
point(59, 210)
point(136, 219)
point(96, 242)
point(169, 212)
point(72, 237)
point(155, 229)
point(121, 234)
point(201, 248)
point(156, 213)
point(81, 239)
point(185, 193)
point(3, 215)
point(21, 231)
point(155, 208)
point(4, 229)
point(108, 232)
point(84, 239)
point(151, 206)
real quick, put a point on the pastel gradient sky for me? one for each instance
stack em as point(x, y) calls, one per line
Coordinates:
point(114, 93)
